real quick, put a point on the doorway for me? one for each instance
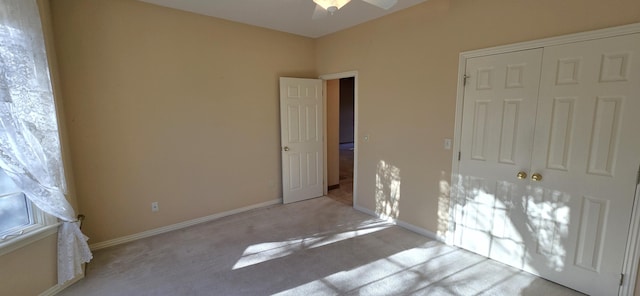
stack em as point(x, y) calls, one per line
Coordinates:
point(341, 139)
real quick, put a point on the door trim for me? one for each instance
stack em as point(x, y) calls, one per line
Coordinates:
point(632, 253)
point(333, 76)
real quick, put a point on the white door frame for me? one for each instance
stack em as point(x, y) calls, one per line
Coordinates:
point(632, 253)
point(333, 76)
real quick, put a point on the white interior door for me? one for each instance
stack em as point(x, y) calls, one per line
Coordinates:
point(499, 113)
point(568, 221)
point(587, 150)
point(301, 129)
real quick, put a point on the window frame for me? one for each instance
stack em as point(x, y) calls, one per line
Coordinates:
point(39, 221)
point(43, 225)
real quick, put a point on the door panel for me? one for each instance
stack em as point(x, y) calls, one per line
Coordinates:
point(301, 133)
point(497, 133)
point(587, 150)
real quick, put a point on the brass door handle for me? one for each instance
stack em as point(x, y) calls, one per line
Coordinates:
point(285, 148)
point(521, 175)
point(536, 177)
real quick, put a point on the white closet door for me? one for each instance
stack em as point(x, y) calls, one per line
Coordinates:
point(578, 135)
point(587, 150)
point(499, 113)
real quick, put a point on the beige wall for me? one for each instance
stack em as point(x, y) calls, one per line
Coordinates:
point(172, 107)
point(333, 132)
point(407, 65)
point(30, 270)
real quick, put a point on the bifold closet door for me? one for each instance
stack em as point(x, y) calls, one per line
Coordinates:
point(499, 113)
point(548, 168)
point(587, 150)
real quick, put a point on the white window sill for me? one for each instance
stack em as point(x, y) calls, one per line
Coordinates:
point(28, 238)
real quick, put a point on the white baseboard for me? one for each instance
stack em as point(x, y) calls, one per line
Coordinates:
point(152, 232)
point(367, 211)
point(419, 230)
point(58, 288)
point(405, 225)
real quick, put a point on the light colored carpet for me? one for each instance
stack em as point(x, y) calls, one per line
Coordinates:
point(314, 247)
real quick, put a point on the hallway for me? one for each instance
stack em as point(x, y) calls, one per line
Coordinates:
point(344, 193)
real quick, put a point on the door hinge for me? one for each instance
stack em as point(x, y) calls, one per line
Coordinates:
point(459, 155)
point(464, 79)
point(621, 279)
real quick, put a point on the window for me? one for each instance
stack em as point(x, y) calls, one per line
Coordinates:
point(30, 144)
point(21, 222)
point(17, 214)
point(15, 210)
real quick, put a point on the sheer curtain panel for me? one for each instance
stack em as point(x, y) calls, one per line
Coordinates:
point(29, 140)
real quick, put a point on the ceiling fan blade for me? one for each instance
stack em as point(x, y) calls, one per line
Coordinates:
point(319, 13)
point(384, 4)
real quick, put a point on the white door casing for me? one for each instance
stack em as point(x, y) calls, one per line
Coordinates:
point(301, 137)
point(571, 226)
point(356, 142)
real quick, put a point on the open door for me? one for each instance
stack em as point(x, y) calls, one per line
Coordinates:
point(301, 128)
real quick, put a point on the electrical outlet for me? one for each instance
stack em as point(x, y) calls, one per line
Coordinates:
point(154, 206)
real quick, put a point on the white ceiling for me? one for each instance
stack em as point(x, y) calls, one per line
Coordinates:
point(292, 16)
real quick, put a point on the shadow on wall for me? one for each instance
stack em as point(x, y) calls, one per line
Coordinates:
point(387, 190)
point(445, 228)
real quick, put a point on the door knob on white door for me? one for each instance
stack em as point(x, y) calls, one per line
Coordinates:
point(285, 148)
point(521, 175)
point(536, 177)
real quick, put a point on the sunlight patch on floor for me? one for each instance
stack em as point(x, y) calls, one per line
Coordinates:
point(380, 273)
point(263, 252)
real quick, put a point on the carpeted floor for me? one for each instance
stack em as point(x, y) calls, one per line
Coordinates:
point(314, 247)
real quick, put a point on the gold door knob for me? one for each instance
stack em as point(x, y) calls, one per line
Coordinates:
point(536, 177)
point(521, 175)
point(285, 148)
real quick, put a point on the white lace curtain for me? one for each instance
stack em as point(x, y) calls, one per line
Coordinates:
point(29, 140)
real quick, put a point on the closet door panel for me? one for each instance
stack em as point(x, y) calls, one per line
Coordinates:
point(587, 150)
point(497, 132)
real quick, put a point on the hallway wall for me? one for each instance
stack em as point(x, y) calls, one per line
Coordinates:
point(347, 109)
point(333, 132)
